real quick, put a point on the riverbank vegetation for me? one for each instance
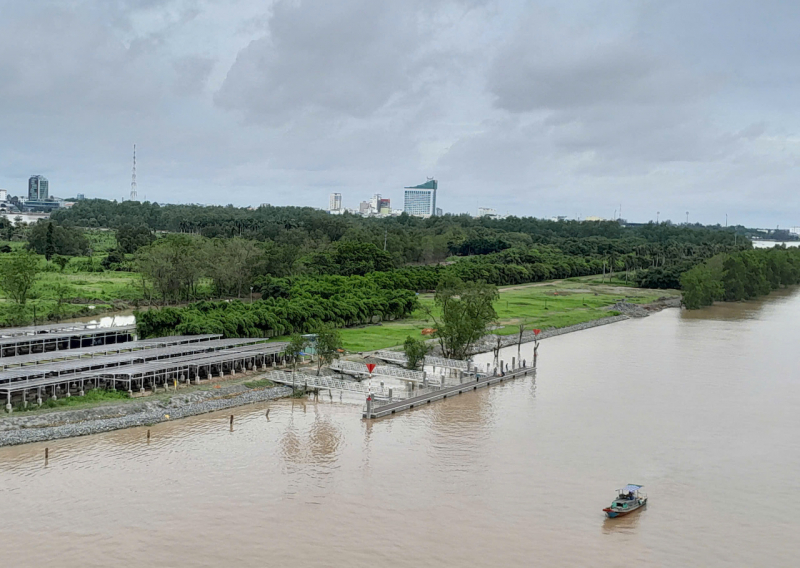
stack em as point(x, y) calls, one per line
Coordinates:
point(543, 305)
point(740, 276)
point(103, 256)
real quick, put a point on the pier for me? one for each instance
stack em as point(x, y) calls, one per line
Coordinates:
point(378, 407)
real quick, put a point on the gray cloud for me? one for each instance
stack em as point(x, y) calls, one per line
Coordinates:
point(534, 107)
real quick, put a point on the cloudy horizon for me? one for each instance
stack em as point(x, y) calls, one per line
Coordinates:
point(533, 108)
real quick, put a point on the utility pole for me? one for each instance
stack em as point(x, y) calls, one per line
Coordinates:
point(726, 220)
point(385, 233)
point(687, 217)
point(657, 214)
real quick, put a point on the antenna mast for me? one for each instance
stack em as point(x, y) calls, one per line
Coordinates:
point(134, 197)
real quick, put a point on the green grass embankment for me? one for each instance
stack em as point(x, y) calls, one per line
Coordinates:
point(541, 305)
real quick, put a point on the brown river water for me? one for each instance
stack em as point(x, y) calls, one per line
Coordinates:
point(700, 407)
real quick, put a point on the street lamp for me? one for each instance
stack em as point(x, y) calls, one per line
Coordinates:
point(251, 294)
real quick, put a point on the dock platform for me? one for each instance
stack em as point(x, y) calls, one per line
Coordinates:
point(376, 408)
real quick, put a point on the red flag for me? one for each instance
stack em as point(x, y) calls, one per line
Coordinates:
point(371, 367)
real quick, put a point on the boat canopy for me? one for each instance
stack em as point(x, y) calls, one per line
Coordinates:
point(631, 488)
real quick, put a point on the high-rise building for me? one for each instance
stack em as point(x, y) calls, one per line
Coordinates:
point(384, 206)
point(420, 200)
point(38, 188)
point(335, 203)
point(364, 208)
point(374, 203)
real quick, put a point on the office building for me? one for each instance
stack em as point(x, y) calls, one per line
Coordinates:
point(38, 188)
point(384, 206)
point(335, 203)
point(420, 200)
point(374, 203)
point(364, 208)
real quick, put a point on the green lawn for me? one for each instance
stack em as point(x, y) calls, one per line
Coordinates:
point(540, 305)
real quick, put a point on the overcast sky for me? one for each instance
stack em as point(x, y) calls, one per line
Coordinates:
point(534, 108)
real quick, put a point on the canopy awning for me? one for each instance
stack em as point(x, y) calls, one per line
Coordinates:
point(631, 488)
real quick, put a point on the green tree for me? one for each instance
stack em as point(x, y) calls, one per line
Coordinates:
point(131, 238)
point(61, 261)
point(50, 243)
point(466, 311)
point(329, 345)
point(415, 350)
point(174, 265)
point(62, 292)
point(231, 263)
point(49, 238)
point(18, 272)
point(297, 344)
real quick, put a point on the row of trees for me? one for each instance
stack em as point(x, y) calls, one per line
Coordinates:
point(352, 303)
point(294, 234)
point(740, 276)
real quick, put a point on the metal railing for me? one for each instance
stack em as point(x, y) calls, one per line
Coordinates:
point(299, 380)
point(400, 358)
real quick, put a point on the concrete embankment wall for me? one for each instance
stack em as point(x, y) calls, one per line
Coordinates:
point(57, 425)
point(487, 343)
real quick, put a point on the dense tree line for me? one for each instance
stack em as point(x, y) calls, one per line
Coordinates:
point(294, 236)
point(338, 301)
point(740, 276)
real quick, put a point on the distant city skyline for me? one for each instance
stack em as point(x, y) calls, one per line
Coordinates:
point(553, 108)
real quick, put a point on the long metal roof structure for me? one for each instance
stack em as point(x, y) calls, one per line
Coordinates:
point(65, 334)
point(47, 328)
point(140, 370)
point(98, 350)
point(114, 360)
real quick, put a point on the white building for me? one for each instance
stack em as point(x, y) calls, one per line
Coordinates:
point(420, 200)
point(335, 202)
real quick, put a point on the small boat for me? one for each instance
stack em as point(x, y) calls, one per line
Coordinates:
point(629, 499)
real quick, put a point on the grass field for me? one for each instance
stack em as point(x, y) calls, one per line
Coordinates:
point(540, 305)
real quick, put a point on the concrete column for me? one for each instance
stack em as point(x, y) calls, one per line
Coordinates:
point(8, 404)
point(390, 395)
point(502, 368)
point(513, 363)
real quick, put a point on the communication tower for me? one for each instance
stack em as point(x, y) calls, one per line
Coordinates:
point(134, 196)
